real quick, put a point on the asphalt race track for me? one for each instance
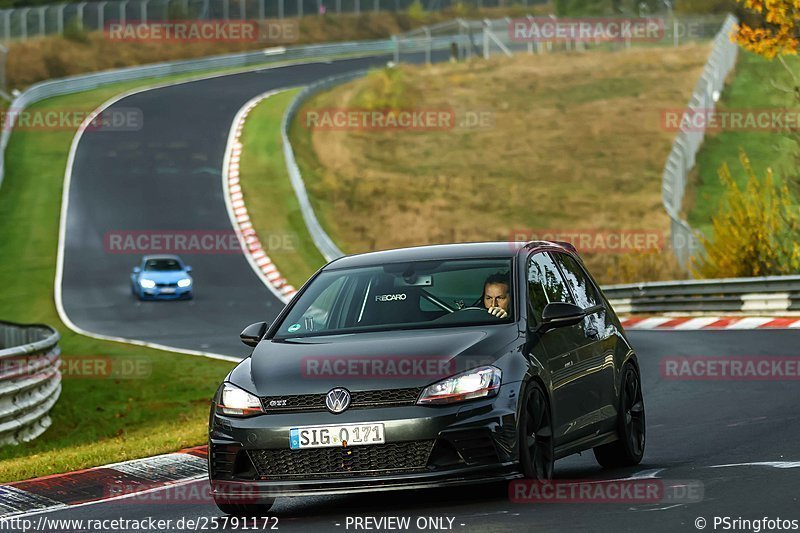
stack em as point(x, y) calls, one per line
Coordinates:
point(166, 177)
point(692, 426)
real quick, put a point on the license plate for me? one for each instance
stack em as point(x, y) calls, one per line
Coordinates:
point(167, 290)
point(332, 436)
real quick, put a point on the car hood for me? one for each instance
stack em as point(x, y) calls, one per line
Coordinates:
point(164, 276)
point(369, 361)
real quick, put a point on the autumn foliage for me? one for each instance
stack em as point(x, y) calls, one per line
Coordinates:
point(774, 30)
point(755, 229)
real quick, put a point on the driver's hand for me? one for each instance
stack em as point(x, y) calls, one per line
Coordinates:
point(499, 312)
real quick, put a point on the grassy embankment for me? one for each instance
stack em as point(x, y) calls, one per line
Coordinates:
point(576, 143)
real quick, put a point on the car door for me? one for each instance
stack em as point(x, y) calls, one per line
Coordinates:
point(560, 345)
point(594, 364)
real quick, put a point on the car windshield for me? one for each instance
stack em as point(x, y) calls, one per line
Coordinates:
point(402, 296)
point(162, 264)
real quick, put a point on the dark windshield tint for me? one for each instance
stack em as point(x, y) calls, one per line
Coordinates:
point(399, 296)
point(162, 264)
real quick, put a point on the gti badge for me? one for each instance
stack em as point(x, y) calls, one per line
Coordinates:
point(337, 400)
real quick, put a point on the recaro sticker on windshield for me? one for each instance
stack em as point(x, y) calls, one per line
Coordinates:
point(390, 297)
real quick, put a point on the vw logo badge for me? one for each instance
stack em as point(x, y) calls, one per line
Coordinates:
point(337, 400)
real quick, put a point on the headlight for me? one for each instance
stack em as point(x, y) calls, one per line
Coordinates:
point(481, 382)
point(147, 283)
point(185, 282)
point(238, 402)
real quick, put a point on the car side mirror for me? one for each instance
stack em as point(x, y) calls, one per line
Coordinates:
point(251, 335)
point(188, 269)
point(136, 270)
point(559, 315)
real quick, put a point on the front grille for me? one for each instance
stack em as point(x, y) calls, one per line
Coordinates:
point(358, 400)
point(166, 284)
point(353, 461)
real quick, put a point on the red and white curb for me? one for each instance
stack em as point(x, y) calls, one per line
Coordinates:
point(117, 481)
point(710, 322)
point(234, 198)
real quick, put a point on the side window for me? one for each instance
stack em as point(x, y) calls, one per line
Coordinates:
point(545, 284)
point(583, 289)
point(318, 314)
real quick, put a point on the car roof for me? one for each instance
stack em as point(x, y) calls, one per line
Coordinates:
point(438, 252)
point(161, 256)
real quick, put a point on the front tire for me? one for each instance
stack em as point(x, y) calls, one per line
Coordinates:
point(535, 442)
point(631, 428)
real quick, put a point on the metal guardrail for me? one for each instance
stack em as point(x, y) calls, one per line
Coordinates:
point(769, 295)
point(30, 380)
point(681, 159)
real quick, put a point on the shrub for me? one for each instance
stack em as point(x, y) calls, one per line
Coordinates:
point(755, 229)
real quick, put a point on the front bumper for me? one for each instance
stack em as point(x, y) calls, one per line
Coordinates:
point(166, 293)
point(468, 443)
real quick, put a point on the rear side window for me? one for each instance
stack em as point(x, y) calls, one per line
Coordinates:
point(582, 287)
point(545, 284)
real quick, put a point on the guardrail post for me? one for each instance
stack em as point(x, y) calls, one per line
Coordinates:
point(7, 24)
point(226, 9)
point(428, 45)
point(358, 7)
point(338, 6)
point(23, 13)
point(396, 46)
point(242, 10)
point(376, 5)
point(123, 6)
point(261, 10)
point(101, 18)
point(281, 8)
point(143, 11)
point(299, 8)
point(42, 30)
point(79, 18)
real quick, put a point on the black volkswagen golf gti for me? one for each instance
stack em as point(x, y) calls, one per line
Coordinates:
point(427, 367)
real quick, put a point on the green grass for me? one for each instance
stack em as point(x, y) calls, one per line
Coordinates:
point(97, 420)
point(749, 89)
point(269, 195)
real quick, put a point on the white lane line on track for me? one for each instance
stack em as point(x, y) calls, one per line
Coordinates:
point(772, 464)
point(65, 206)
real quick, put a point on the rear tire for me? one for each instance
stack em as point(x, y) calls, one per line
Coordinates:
point(535, 440)
point(245, 509)
point(631, 428)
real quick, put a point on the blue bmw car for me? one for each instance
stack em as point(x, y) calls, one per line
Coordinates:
point(162, 277)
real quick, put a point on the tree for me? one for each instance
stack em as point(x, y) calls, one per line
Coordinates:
point(774, 28)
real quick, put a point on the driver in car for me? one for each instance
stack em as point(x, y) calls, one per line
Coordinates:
point(495, 295)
